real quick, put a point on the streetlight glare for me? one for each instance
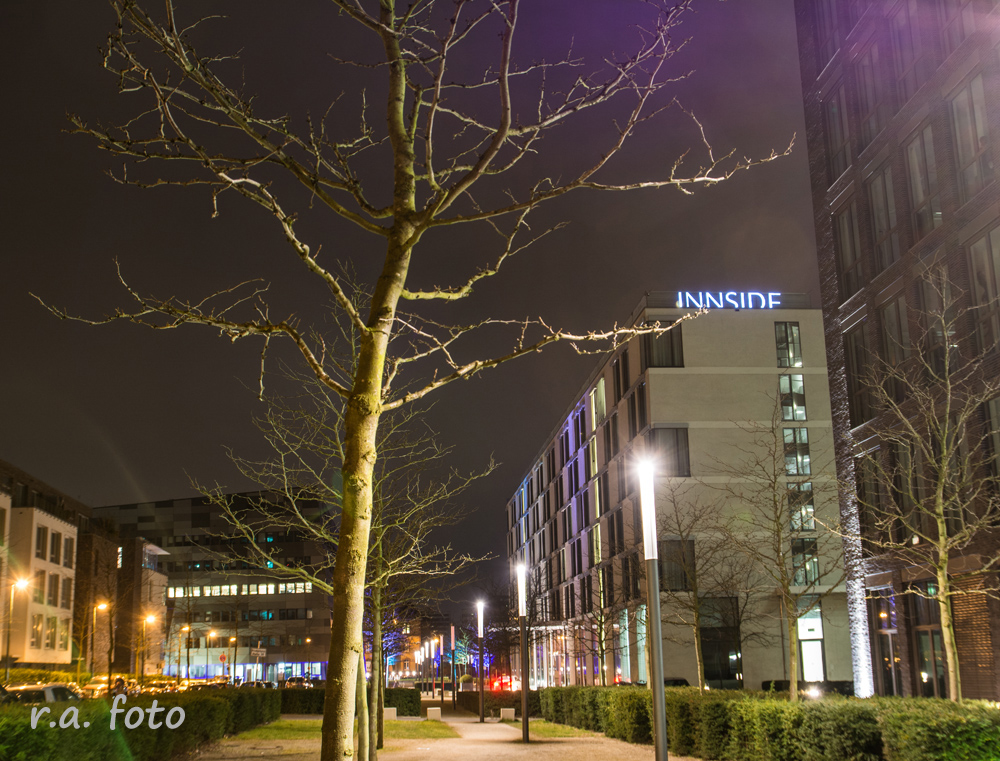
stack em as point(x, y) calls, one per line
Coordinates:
point(150, 619)
point(22, 583)
point(522, 591)
point(647, 500)
point(102, 606)
point(479, 609)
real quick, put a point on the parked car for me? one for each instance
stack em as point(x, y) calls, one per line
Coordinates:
point(674, 681)
point(298, 683)
point(32, 694)
point(259, 685)
point(156, 686)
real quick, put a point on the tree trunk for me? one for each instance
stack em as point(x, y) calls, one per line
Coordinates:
point(375, 683)
point(948, 632)
point(792, 627)
point(361, 695)
point(699, 658)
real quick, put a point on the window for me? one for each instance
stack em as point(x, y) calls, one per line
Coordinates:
point(827, 37)
point(68, 548)
point(793, 397)
point(856, 9)
point(608, 579)
point(940, 319)
point(848, 244)
point(838, 139)
point(676, 564)
point(856, 358)
point(805, 562)
point(911, 57)
point(895, 342)
point(55, 548)
point(871, 95)
point(958, 21)
point(665, 349)
point(620, 376)
point(36, 631)
point(797, 452)
point(53, 598)
point(882, 201)
point(975, 165)
point(39, 587)
point(671, 448)
point(633, 417)
point(598, 403)
point(786, 336)
point(64, 634)
point(801, 507)
point(922, 171)
point(985, 256)
point(810, 636)
point(66, 599)
point(41, 541)
point(51, 629)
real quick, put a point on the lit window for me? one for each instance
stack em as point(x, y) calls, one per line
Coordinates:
point(797, 452)
point(793, 397)
point(786, 336)
point(805, 562)
point(801, 507)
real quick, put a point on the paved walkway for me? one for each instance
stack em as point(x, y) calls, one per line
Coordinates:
point(489, 741)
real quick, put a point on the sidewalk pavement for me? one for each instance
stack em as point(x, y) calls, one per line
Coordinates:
point(493, 741)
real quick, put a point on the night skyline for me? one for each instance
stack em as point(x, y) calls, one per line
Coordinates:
point(119, 414)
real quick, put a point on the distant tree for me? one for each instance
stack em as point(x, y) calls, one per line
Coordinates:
point(703, 583)
point(459, 142)
point(929, 491)
point(784, 518)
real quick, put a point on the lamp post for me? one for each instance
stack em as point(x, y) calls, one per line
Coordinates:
point(93, 628)
point(187, 642)
point(522, 618)
point(145, 646)
point(232, 661)
point(454, 683)
point(208, 646)
point(441, 667)
point(432, 645)
point(19, 584)
point(647, 499)
point(418, 668)
point(482, 694)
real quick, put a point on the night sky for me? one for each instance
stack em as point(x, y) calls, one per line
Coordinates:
point(122, 414)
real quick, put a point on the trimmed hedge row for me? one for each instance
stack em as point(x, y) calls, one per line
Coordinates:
point(497, 699)
point(206, 717)
point(732, 725)
point(33, 676)
point(405, 700)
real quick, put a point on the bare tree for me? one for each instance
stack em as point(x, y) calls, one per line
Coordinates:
point(930, 493)
point(703, 582)
point(451, 135)
point(784, 518)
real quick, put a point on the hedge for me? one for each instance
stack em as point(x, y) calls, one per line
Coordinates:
point(734, 725)
point(497, 699)
point(206, 717)
point(34, 676)
point(405, 700)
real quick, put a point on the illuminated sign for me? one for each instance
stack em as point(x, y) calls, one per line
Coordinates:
point(728, 300)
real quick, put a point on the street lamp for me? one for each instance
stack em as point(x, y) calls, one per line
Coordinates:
point(208, 645)
point(21, 584)
point(454, 683)
point(146, 620)
point(187, 642)
point(482, 694)
point(232, 661)
point(441, 667)
point(522, 617)
point(647, 499)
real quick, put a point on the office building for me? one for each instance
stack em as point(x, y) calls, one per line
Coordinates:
point(902, 112)
point(698, 400)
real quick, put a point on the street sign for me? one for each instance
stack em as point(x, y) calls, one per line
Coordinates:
point(222, 658)
point(258, 652)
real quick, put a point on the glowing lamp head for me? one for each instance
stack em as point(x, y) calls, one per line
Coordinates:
point(22, 584)
point(102, 606)
point(479, 610)
point(522, 590)
point(647, 500)
point(150, 619)
point(453, 636)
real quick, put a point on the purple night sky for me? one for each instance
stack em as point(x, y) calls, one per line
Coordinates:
point(122, 414)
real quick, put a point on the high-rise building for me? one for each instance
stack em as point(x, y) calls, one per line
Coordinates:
point(702, 401)
point(902, 109)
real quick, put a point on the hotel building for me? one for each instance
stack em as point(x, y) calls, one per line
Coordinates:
point(688, 399)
